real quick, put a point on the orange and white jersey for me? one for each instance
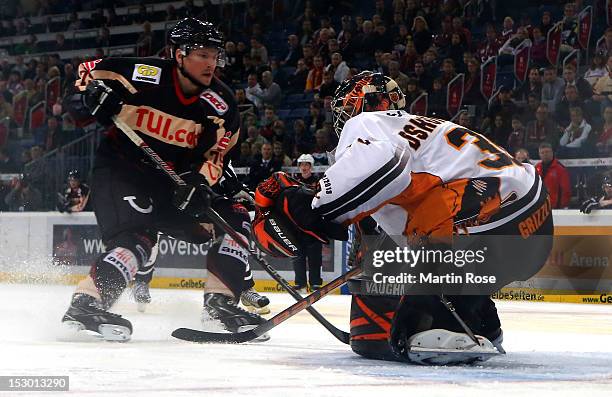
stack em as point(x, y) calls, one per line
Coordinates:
point(421, 175)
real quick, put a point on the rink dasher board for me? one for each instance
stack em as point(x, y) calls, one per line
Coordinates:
point(28, 242)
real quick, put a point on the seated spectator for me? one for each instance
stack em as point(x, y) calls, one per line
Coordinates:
point(603, 143)
point(569, 31)
point(75, 197)
point(400, 78)
point(602, 90)
point(574, 139)
point(508, 29)
point(522, 155)
point(7, 164)
point(24, 197)
point(74, 23)
point(448, 71)
point(465, 33)
point(538, 47)
point(510, 45)
point(265, 124)
point(6, 109)
point(270, 93)
point(14, 84)
point(38, 93)
point(244, 105)
point(321, 147)
point(262, 166)
point(423, 77)
point(602, 202)
point(329, 85)
point(279, 154)
point(516, 139)
point(546, 23)
point(533, 85)
point(489, 47)
point(596, 70)
point(51, 136)
point(471, 90)
point(253, 136)
point(529, 112)
point(504, 106)
point(552, 88)
point(408, 59)
point(303, 140)
point(437, 100)
point(570, 100)
point(104, 38)
point(294, 51)
point(555, 177)
point(315, 75)
point(340, 68)
point(297, 81)
point(542, 129)
point(245, 156)
point(585, 91)
point(253, 91)
point(412, 91)
point(465, 120)
point(605, 48)
point(144, 42)
point(258, 50)
point(314, 121)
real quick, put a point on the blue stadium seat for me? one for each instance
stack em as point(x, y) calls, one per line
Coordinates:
point(283, 113)
point(299, 113)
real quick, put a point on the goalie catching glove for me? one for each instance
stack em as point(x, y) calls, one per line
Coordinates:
point(284, 214)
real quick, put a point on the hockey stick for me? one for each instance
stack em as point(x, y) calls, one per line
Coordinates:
point(193, 335)
point(217, 219)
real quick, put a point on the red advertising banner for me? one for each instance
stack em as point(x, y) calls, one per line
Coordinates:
point(553, 43)
point(20, 108)
point(52, 92)
point(585, 23)
point(38, 115)
point(487, 77)
point(521, 61)
point(419, 105)
point(454, 95)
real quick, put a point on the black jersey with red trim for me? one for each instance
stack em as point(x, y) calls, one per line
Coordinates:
point(190, 133)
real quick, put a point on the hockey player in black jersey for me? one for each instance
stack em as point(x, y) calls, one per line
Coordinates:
point(191, 120)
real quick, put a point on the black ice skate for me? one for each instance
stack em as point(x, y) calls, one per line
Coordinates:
point(141, 294)
point(233, 318)
point(85, 313)
point(254, 302)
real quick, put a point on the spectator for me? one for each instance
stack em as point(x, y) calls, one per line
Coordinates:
point(258, 50)
point(7, 164)
point(253, 91)
point(279, 154)
point(471, 90)
point(262, 166)
point(408, 59)
point(270, 93)
point(24, 197)
point(585, 91)
point(569, 32)
point(604, 202)
point(533, 102)
point(294, 51)
point(51, 136)
point(104, 38)
point(542, 129)
point(400, 78)
point(532, 86)
point(538, 47)
point(75, 197)
point(245, 156)
point(366, 40)
point(522, 155)
point(6, 110)
point(516, 139)
point(320, 152)
point(490, 46)
point(448, 71)
point(315, 75)
point(424, 78)
point(339, 66)
point(412, 91)
point(253, 136)
point(266, 122)
point(503, 106)
point(555, 176)
point(464, 119)
point(38, 93)
point(603, 143)
point(244, 105)
point(144, 42)
point(605, 48)
point(74, 23)
point(303, 140)
point(602, 90)
point(329, 85)
point(171, 14)
point(570, 100)
point(466, 35)
point(552, 88)
point(574, 138)
point(437, 100)
point(297, 81)
point(508, 29)
point(311, 248)
point(14, 84)
point(547, 22)
point(596, 70)
point(315, 119)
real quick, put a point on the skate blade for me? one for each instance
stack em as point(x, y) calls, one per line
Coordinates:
point(258, 310)
point(141, 306)
point(262, 338)
point(431, 356)
point(74, 331)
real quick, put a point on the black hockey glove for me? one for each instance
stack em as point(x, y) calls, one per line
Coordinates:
point(102, 101)
point(588, 205)
point(195, 197)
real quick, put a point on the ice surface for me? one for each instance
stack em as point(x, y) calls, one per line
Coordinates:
point(553, 349)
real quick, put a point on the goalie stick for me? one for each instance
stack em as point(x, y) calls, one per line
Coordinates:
point(216, 218)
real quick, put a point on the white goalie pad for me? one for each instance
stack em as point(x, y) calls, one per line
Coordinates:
point(443, 347)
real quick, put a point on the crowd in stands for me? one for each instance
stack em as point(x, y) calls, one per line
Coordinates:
point(285, 59)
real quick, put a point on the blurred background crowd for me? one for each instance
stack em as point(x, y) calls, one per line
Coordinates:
point(535, 77)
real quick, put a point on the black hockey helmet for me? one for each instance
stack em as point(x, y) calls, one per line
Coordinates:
point(365, 92)
point(74, 174)
point(190, 33)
